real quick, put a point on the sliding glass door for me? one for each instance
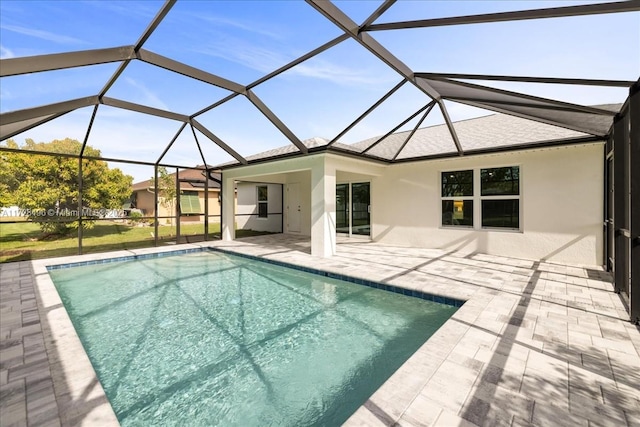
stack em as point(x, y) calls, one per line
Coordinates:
point(353, 208)
point(342, 208)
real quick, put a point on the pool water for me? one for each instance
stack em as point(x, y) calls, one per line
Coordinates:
point(216, 339)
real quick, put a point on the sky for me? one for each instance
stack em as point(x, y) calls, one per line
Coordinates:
point(244, 40)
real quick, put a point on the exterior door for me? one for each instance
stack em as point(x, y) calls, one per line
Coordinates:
point(353, 203)
point(360, 209)
point(342, 208)
point(293, 207)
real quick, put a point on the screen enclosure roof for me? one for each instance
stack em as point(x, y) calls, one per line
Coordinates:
point(221, 72)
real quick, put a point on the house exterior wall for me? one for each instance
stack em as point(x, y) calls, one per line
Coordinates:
point(214, 207)
point(145, 201)
point(561, 206)
point(303, 179)
point(284, 171)
point(561, 201)
point(247, 207)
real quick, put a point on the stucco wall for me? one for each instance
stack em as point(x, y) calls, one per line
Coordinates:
point(145, 201)
point(303, 178)
point(247, 208)
point(561, 201)
point(286, 171)
point(561, 206)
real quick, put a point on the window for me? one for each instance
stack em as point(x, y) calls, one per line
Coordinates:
point(495, 191)
point(500, 181)
point(500, 197)
point(262, 201)
point(457, 198)
point(189, 203)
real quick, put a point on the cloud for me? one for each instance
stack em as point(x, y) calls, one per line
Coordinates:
point(127, 9)
point(245, 54)
point(267, 60)
point(326, 70)
point(40, 34)
point(150, 98)
point(6, 53)
point(250, 27)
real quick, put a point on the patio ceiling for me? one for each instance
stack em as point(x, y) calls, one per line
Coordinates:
point(436, 87)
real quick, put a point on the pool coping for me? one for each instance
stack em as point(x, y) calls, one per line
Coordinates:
point(454, 302)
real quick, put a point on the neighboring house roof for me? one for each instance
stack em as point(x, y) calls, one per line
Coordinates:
point(185, 174)
point(482, 133)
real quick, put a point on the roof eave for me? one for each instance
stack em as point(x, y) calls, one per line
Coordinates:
point(469, 152)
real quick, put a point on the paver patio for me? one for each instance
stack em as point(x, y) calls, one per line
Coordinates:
point(536, 343)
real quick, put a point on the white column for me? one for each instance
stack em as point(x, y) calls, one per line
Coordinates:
point(323, 209)
point(227, 226)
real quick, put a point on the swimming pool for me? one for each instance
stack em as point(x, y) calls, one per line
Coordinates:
point(214, 339)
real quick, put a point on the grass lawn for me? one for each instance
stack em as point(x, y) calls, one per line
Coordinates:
point(23, 241)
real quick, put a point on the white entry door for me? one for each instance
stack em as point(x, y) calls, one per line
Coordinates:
point(293, 207)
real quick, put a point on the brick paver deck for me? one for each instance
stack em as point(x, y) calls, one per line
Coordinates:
point(535, 344)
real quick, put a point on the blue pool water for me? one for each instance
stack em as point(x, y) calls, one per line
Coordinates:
point(215, 339)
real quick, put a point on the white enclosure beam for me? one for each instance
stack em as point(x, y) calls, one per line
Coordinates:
point(228, 228)
point(323, 209)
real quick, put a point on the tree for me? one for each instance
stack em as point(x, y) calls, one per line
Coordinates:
point(9, 180)
point(46, 187)
point(166, 189)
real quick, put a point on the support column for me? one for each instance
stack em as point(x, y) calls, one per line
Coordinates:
point(227, 220)
point(177, 206)
point(206, 203)
point(323, 209)
point(156, 203)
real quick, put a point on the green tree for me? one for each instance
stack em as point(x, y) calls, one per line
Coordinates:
point(166, 189)
point(47, 186)
point(9, 180)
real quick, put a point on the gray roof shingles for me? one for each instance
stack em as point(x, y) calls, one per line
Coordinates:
point(492, 131)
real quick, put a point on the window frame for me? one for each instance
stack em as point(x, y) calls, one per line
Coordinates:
point(501, 197)
point(477, 199)
point(262, 202)
point(458, 198)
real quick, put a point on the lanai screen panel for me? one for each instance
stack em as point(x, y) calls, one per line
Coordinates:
point(588, 119)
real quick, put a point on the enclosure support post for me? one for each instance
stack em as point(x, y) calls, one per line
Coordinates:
point(155, 203)
point(206, 203)
point(177, 205)
point(621, 203)
point(634, 202)
point(79, 205)
point(609, 230)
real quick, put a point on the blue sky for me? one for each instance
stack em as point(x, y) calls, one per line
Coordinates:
point(242, 41)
